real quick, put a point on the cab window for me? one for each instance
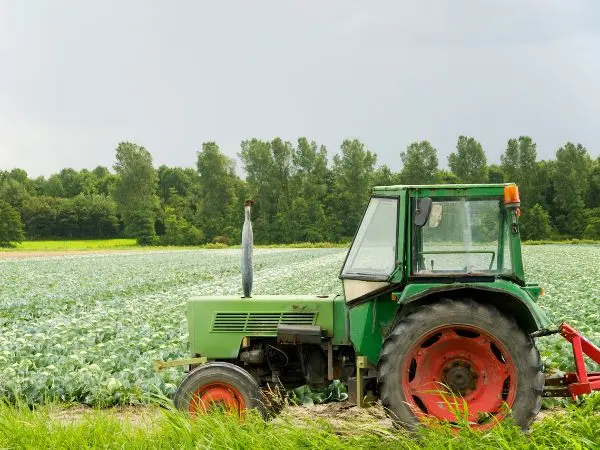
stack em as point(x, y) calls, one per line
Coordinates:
point(373, 251)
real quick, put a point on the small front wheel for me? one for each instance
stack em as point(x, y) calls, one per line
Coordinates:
point(219, 385)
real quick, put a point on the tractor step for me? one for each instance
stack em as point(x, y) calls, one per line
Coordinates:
point(580, 382)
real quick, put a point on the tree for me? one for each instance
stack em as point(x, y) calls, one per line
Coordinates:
point(178, 231)
point(11, 227)
point(419, 164)
point(96, 216)
point(447, 177)
point(519, 166)
point(592, 228)
point(217, 191)
point(306, 219)
point(135, 191)
point(71, 182)
point(535, 223)
point(13, 192)
point(469, 163)
point(383, 176)
point(570, 186)
point(593, 194)
point(39, 217)
point(495, 174)
point(353, 172)
point(269, 167)
point(544, 172)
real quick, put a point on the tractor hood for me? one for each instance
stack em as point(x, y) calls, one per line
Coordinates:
point(217, 324)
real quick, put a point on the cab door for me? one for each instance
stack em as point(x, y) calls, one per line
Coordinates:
point(374, 253)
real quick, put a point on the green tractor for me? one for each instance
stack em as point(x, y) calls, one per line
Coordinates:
point(437, 320)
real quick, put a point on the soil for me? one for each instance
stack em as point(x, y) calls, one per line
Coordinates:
point(142, 416)
point(343, 417)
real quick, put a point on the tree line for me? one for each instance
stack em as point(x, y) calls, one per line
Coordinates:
point(300, 195)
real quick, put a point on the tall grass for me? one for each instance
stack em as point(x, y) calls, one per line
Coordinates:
point(577, 427)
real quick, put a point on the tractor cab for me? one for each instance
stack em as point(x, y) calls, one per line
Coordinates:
point(441, 232)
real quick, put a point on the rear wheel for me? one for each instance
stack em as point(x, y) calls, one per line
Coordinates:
point(218, 385)
point(460, 361)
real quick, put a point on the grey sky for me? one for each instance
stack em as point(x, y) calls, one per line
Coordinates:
point(77, 77)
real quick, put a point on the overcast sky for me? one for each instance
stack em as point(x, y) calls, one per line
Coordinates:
point(77, 77)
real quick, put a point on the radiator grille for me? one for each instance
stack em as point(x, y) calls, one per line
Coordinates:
point(259, 323)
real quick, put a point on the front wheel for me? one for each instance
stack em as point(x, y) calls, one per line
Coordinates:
point(219, 385)
point(460, 361)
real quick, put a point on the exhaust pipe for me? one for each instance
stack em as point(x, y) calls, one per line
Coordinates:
point(247, 243)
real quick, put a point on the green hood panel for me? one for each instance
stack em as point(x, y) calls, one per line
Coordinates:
point(217, 324)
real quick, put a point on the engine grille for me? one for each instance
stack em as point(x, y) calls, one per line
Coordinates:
point(255, 323)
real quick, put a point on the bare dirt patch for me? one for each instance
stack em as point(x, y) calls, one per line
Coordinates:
point(139, 416)
point(342, 417)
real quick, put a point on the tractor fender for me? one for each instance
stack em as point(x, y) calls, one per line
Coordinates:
point(507, 297)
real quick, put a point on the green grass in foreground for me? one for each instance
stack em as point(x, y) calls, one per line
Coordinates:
point(577, 427)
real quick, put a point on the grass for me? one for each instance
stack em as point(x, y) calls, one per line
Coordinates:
point(129, 244)
point(75, 245)
point(577, 427)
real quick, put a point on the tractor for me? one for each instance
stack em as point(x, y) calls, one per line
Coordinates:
point(437, 320)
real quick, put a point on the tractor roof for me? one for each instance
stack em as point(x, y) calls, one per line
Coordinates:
point(484, 189)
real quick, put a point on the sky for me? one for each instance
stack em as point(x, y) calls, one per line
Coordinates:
point(78, 77)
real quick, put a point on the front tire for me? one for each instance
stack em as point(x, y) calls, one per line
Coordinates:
point(219, 384)
point(460, 361)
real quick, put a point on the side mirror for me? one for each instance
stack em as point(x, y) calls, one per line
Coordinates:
point(436, 215)
point(423, 211)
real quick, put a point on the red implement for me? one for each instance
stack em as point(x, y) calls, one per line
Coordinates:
point(580, 382)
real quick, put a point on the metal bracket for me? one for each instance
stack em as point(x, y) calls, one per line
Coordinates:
point(361, 363)
point(160, 365)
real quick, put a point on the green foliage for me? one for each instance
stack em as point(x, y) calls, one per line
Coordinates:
point(570, 185)
point(519, 166)
point(592, 228)
point(300, 197)
point(83, 216)
point(419, 164)
point(593, 193)
point(353, 176)
point(179, 232)
point(535, 223)
point(11, 227)
point(495, 174)
point(217, 191)
point(335, 392)
point(135, 191)
point(469, 163)
point(141, 226)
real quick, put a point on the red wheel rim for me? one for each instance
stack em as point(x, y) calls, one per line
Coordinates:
point(459, 373)
point(217, 395)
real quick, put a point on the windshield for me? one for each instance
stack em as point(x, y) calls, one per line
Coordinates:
point(373, 252)
point(463, 235)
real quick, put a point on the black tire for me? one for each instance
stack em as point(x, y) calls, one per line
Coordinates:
point(220, 372)
point(410, 329)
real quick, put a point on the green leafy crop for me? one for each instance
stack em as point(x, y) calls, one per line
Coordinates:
point(87, 328)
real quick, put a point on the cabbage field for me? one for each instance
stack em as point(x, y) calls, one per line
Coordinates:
point(87, 328)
